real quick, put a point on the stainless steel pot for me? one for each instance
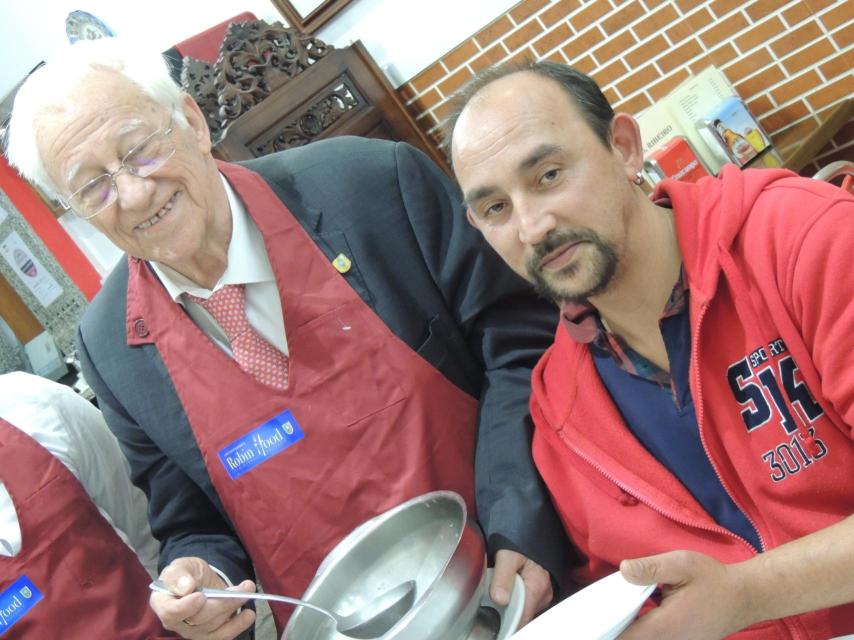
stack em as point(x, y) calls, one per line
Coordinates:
point(428, 539)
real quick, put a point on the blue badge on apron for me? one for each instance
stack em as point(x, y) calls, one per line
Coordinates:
point(16, 601)
point(260, 444)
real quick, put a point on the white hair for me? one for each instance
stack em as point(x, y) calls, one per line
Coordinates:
point(51, 84)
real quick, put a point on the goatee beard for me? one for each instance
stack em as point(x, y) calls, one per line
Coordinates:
point(602, 266)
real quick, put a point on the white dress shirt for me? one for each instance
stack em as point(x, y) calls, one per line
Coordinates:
point(74, 431)
point(248, 265)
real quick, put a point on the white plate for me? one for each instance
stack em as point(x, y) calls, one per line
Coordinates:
point(598, 612)
point(512, 613)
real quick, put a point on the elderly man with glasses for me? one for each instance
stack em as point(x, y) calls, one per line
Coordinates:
point(293, 345)
point(142, 160)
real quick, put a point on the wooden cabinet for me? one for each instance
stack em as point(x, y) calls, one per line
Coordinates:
point(273, 88)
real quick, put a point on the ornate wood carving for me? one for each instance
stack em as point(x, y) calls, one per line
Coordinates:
point(273, 88)
point(256, 58)
point(323, 110)
point(197, 78)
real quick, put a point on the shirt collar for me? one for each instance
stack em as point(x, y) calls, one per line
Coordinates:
point(247, 256)
point(581, 321)
point(583, 325)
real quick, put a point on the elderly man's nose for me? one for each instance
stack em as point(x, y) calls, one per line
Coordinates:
point(133, 191)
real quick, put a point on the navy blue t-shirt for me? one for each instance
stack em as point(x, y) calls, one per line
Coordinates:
point(665, 422)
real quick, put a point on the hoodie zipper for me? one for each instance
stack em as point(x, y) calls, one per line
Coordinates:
point(658, 509)
point(791, 623)
point(698, 405)
point(650, 503)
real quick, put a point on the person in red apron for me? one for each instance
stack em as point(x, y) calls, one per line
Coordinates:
point(293, 347)
point(73, 576)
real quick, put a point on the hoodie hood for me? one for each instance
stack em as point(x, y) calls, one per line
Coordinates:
point(709, 215)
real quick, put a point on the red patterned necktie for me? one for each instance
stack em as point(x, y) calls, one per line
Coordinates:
point(251, 351)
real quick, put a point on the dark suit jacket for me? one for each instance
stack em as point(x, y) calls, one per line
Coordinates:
point(427, 274)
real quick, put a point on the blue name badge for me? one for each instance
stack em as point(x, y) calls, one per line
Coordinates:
point(260, 444)
point(16, 601)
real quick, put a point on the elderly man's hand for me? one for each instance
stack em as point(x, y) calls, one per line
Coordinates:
point(191, 614)
point(538, 584)
point(702, 598)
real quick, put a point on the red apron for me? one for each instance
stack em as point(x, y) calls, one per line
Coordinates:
point(73, 578)
point(371, 423)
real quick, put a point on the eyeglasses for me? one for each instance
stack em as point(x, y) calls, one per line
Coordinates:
point(141, 161)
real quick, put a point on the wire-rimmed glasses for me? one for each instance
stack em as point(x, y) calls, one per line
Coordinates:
point(142, 160)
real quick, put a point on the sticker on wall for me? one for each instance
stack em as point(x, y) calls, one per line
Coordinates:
point(80, 25)
point(28, 268)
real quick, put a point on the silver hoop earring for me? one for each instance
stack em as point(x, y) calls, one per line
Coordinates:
point(638, 178)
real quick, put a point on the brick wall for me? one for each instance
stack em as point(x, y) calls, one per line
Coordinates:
point(790, 60)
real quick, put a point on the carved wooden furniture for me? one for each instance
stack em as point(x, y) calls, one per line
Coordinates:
point(273, 88)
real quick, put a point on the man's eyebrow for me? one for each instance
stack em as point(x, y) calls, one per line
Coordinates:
point(478, 194)
point(71, 174)
point(129, 127)
point(538, 154)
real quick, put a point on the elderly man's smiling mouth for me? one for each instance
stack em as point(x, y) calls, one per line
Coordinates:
point(157, 217)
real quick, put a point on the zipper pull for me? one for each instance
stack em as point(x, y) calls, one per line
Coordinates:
point(811, 446)
point(628, 500)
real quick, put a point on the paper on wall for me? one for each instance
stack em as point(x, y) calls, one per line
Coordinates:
point(680, 112)
point(29, 270)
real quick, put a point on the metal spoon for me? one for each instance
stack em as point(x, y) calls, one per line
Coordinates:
point(370, 621)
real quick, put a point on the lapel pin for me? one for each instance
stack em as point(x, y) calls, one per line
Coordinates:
point(341, 263)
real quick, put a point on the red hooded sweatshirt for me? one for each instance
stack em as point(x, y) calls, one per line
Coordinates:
point(768, 261)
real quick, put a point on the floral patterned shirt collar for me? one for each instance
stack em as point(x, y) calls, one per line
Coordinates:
point(584, 325)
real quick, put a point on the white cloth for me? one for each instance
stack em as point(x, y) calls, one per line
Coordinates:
point(247, 265)
point(74, 431)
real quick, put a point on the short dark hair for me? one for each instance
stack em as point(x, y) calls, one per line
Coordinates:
point(579, 86)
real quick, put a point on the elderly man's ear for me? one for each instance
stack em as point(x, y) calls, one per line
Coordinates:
point(198, 123)
point(626, 141)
